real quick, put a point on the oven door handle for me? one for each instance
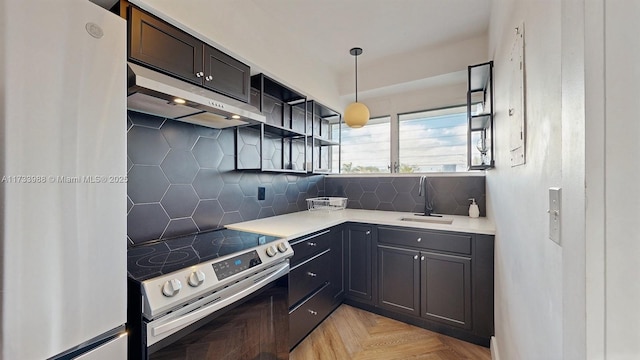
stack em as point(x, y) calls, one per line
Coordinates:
point(196, 315)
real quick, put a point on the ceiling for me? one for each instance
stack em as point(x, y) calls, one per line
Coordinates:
point(383, 28)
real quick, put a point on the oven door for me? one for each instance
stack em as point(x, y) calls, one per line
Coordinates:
point(249, 324)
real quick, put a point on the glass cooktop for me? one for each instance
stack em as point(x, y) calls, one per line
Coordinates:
point(148, 261)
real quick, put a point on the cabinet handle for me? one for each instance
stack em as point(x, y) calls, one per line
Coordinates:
point(199, 74)
point(312, 244)
point(419, 239)
point(415, 257)
point(311, 274)
point(208, 78)
point(368, 232)
point(313, 312)
point(422, 258)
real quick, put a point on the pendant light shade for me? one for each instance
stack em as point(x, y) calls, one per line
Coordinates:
point(356, 114)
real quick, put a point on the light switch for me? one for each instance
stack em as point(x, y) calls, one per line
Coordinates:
point(554, 214)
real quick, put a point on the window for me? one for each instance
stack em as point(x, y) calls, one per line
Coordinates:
point(365, 150)
point(425, 141)
point(433, 140)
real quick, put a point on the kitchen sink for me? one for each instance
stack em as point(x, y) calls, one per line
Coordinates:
point(428, 219)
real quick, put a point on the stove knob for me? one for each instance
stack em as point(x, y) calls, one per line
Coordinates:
point(196, 278)
point(271, 251)
point(282, 247)
point(171, 287)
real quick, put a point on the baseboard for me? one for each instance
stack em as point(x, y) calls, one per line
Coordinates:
point(495, 354)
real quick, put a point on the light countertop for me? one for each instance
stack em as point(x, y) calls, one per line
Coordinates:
point(301, 223)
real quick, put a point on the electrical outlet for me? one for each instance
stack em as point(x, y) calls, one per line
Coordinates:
point(261, 192)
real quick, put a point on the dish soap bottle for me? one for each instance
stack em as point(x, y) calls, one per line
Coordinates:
point(474, 212)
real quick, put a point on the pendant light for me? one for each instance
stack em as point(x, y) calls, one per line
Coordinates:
point(356, 114)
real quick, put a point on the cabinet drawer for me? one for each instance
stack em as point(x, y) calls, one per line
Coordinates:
point(309, 314)
point(451, 242)
point(309, 246)
point(309, 276)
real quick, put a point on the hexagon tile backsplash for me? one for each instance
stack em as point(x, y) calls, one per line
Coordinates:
point(182, 180)
point(448, 194)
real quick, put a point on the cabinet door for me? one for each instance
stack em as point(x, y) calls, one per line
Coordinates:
point(226, 75)
point(358, 261)
point(399, 279)
point(164, 47)
point(446, 289)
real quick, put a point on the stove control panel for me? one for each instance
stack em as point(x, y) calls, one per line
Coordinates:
point(166, 292)
point(234, 265)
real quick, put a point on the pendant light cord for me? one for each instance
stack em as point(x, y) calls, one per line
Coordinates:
point(356, 78)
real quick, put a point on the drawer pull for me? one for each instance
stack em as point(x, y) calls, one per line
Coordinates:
point(312, 243)
point(422, 258)
point(368, 232)
point(419, 239)
point(199, 74)
point(415, 257)
point(311, 274)
point(313, 312)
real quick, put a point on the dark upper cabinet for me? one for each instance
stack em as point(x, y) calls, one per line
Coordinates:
point(225, 74)
point(446, 289)
point(399, 279)
point(358, 268)
point(163, 47)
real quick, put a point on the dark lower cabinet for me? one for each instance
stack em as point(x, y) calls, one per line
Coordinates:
point(358, 254)
point(316, 284)
point(445, 287)
point(436, 279)
point(439, 280)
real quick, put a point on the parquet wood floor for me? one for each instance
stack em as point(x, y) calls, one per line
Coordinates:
point(351, 333)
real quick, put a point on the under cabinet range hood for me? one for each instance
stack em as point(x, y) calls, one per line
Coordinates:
point(154, 93)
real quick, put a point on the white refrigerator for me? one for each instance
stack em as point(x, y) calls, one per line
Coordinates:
point(63, 180)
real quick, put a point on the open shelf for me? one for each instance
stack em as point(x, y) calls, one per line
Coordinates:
point(480, 126)
point(323, 147)
point(480, 122)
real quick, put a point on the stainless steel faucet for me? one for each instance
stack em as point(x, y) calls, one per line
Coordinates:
point(423, 190)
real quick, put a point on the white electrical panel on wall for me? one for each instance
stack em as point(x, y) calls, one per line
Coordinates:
point(517, 99)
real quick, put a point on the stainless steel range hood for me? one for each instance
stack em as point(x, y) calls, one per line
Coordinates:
point(155, 93)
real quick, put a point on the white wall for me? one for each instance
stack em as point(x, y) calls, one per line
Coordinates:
point(528, 266)
point(622, 168)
